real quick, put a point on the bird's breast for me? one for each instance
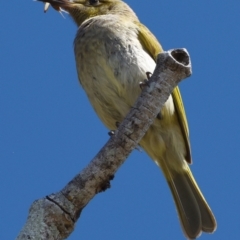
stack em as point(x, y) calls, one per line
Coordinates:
point(110, 63)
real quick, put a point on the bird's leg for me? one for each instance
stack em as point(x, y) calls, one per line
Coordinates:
point(145, 83)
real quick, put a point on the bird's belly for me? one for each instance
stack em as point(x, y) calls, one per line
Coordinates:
point(110, 67)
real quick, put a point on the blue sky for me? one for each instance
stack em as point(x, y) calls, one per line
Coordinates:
point(49, 132)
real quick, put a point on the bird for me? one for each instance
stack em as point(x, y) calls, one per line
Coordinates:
point(113, 52)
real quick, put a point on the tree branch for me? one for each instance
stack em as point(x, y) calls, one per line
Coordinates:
point(54, 216)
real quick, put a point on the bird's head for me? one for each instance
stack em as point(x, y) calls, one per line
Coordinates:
point(81, 10)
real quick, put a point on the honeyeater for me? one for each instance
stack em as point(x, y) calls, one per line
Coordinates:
point(113, 52)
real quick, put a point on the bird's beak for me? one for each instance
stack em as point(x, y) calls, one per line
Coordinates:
point(58, 5)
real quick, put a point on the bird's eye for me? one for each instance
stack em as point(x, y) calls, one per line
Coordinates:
point(93, 2)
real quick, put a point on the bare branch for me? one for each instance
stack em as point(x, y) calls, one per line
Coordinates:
point(54, 216)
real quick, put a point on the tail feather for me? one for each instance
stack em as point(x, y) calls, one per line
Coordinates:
point(194, 213)
point(208, 220)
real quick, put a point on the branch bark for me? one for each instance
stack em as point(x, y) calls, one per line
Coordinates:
point(54, 216)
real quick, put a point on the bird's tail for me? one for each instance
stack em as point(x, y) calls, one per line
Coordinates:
point(194, 213)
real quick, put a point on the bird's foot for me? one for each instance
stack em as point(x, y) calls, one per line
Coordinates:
point(111, 133)
point(145, 82)
point(149, 74)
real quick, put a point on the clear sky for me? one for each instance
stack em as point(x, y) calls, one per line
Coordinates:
point(49, 132)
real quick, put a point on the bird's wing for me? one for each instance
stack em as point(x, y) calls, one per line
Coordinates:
point(179, 107)
point(153, 48)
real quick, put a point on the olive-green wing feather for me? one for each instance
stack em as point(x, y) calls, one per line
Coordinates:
point(178, 103)
point(153, 48)
point(149, 42)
